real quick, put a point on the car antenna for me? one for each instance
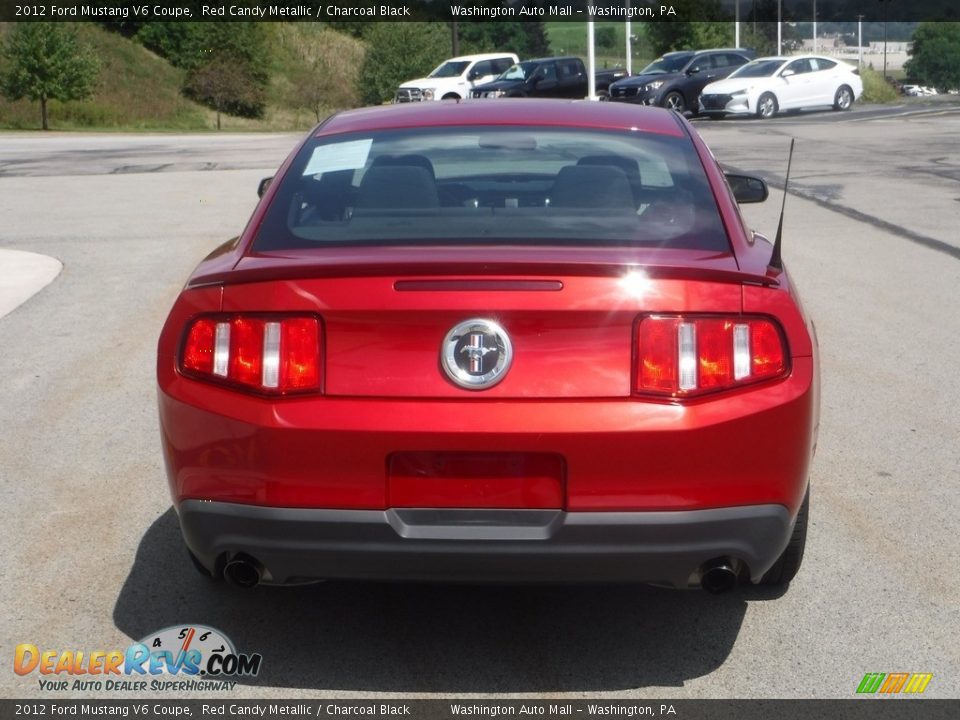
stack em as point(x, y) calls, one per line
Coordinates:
point(776, 262)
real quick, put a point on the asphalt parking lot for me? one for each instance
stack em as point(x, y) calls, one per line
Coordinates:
point(91, 548)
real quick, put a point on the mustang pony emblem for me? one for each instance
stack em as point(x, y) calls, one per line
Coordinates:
point(476, 354)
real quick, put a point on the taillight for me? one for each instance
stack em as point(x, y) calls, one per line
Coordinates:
point(683, 356)
point(268, 354)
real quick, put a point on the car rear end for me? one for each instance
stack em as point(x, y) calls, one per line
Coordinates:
point(510, 380)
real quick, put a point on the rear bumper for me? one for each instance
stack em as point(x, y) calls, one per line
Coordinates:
point(669, 548)
point(744, 448)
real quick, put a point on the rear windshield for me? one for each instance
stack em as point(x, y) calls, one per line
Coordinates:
point(494, 185)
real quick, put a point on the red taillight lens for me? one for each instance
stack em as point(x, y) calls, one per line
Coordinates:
point(658, 364)
point(198, 349)
point(298, 364)
point(766, 351)
point(684, 356)
point(272, 355)
point(246, 351)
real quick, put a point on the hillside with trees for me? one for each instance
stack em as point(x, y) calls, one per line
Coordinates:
point(252, 76)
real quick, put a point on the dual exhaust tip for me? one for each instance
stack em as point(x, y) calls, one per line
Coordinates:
point(718, 576)
point(243, 571)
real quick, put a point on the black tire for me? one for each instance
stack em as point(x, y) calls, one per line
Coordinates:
point(787, 565)
point(673, 100)
point(603, 95)
point(451, 96)
point(843, 100)
point(767, 106)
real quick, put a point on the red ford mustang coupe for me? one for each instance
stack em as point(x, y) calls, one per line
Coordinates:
point(518, 341)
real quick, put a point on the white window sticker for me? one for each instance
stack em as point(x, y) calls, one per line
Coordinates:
point(338, 156)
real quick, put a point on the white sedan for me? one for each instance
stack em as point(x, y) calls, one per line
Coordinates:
point(769, 85)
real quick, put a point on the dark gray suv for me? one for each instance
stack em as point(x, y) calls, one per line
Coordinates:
point(676, 79)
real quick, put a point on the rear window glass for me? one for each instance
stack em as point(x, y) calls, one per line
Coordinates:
point(492, 185)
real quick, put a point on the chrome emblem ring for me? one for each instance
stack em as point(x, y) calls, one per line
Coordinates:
point(476, 354)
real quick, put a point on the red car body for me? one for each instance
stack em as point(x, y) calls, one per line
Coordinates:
point(378, 464)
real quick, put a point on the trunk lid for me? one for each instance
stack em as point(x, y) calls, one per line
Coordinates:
point(570, 313)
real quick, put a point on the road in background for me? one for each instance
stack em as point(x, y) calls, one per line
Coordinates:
point(91, 547)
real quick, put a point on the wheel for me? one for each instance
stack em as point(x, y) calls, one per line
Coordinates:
point(450, 96)
point(603, 95)
point(787, 565)
point(843, 99)
point(767, 106)
point(674, 101)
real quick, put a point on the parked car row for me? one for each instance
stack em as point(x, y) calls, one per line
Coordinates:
point(558, 77)
point(715, 82)
point(503, 75)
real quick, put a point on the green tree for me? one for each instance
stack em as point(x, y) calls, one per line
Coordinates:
point(325, 77)
point(46, 61)
point(397, 52)
point(206, 50)
point(605, 38)
point(668, 35)
point(224, 83)
point(171, 40)
point(526, 39)
point(935, 55)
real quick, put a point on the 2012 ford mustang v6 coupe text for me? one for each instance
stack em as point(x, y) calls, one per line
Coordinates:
point(518, 341)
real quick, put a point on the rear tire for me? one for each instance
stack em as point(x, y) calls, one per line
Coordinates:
point(843, 100)
point(787, 565)
point(767, 106)
point(674, 101)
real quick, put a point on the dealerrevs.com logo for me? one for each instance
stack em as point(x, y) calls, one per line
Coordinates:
point(182, 657)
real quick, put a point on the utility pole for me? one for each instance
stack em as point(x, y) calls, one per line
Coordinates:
point(591, 64)
point(814, 25)
point(629, 47)
point(779, 27)
point(736, 23)
point(860, 41)
point(886, 5)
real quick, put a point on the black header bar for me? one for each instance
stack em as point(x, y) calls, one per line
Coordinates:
point(471, 10)
point(362, 709)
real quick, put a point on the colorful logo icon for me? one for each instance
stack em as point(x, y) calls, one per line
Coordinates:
point(892, 683)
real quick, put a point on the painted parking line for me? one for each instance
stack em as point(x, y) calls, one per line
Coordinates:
point(23, 275)
point(929, 112)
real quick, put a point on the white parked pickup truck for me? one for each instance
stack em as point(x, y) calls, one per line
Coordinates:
point(454, 78)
